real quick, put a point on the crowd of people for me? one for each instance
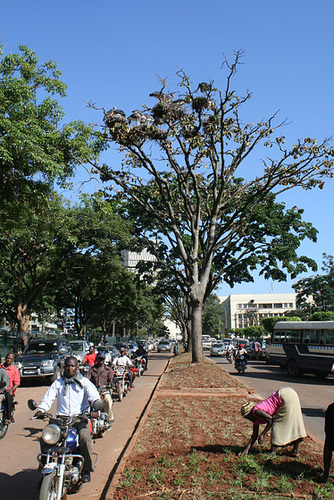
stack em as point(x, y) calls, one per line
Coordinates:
point(75, 393)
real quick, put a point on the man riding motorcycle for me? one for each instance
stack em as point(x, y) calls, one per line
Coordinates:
point(74, 394)
point(102, 376)
point(240, 351)
point(3, 388)
point(141, 351)
point(126, 362)
point(90, 357)
point(14, 382)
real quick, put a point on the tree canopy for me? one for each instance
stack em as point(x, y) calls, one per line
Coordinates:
point(316, 293)
point(182, 158)
point(36, 148)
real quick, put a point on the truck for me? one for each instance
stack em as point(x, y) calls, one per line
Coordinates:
point(43, 358)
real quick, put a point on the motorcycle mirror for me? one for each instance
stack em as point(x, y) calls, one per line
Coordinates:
point(2, 384)
point(32, 404)
point(98, 405)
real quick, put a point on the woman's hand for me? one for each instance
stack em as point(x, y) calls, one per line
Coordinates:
point(243, 453)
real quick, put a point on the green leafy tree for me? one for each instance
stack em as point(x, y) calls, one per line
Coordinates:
point(181, 170)
point(36, 148)
point(323, 316)
point(249, 332)
point(37, 152)
point(317, 292)
point(212, 315)
point(34, 245)
point(269, 323)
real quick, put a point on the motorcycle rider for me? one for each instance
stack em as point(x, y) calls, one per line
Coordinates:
point(90, 358)
point(74, 393)
point(102, 375)
point(141, 351)
point(230, 350)
point(124, 361)
point(14, 382)
point(240, 351)
point(3, 388)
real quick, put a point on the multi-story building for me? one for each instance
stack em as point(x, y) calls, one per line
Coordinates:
point(241, 310)
point(130, 259)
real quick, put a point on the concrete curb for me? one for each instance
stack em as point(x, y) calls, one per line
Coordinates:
point(116, 473)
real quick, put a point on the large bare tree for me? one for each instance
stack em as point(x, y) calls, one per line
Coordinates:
point(181, 170)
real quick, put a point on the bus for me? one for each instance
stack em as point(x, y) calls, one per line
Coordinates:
point(303, 347)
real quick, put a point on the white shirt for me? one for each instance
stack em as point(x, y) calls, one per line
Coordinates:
point(123, 361)
point(72, 400)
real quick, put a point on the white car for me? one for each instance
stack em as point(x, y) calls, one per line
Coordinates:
point(79, 349)
point(218, 349)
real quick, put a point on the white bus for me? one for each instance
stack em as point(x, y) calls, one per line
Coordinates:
point(303, 347)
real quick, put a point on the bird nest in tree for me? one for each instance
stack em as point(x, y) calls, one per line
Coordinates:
point(200, 103)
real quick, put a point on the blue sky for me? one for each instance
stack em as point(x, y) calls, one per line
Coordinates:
point(111, 53)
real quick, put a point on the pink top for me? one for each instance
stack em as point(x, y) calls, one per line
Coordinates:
point(269, 405)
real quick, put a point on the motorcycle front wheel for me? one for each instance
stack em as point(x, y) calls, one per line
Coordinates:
point(49, 487)
point(3, 429)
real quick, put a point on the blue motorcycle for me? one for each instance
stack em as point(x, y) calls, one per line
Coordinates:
point(61, 463)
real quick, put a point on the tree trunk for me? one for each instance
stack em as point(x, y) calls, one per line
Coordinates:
point(22, 318)
point(196, 333)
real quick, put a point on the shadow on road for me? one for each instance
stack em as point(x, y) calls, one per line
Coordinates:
point(21, 486)
point(314, 412)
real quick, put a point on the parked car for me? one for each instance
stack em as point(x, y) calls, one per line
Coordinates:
point(79, 349)
point(206, 341)
point(132, 347)
point(43, 358)
point(114, 353)
point(164, 346)
point(218, 349)
point(107, 350)
point(119, 345)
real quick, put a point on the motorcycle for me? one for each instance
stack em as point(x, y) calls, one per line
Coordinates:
point(229, 356)
point(140, 363)
point(240, 363)
point(99, 418)
point(61, 462)
point(3, 424)
point(121, 382)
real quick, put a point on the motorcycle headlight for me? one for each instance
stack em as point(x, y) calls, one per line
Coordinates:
point(51, 434)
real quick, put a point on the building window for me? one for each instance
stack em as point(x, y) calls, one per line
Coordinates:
point(277, 306)
point(265, 306)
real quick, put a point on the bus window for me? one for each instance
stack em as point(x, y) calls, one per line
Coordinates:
point(330, 337)
point(313, 336)
point(293, 336)
point(278, 338)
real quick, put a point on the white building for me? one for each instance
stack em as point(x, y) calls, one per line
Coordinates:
point(130, 259)
point(248, 309)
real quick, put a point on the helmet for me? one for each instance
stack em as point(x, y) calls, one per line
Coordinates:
point(101, 355)
point(247, 408)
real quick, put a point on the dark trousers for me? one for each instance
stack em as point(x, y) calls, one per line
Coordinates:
point(9, 404)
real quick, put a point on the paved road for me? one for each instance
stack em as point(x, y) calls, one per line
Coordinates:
point(19, 448)
point(315, 395)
